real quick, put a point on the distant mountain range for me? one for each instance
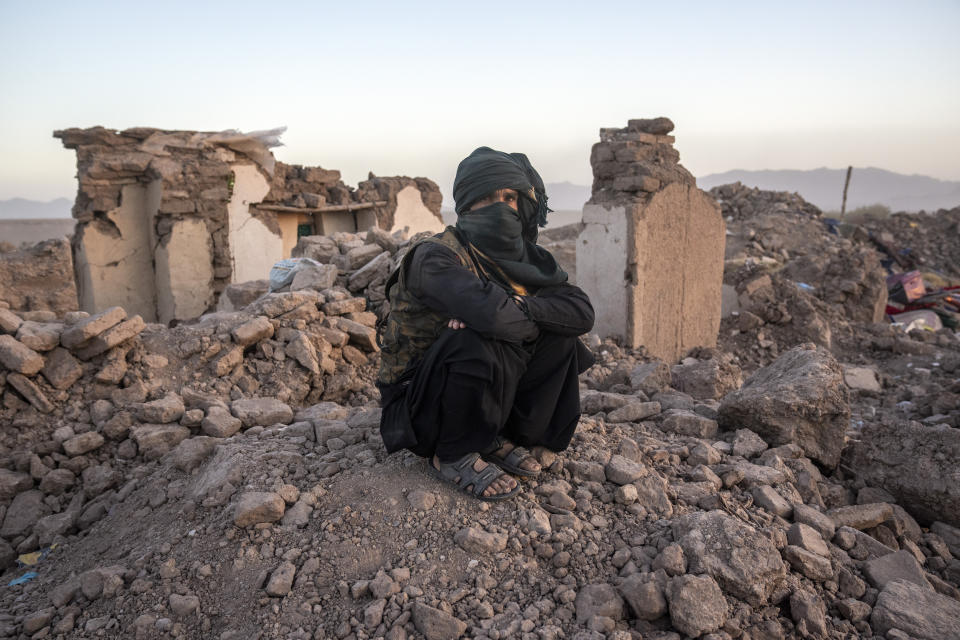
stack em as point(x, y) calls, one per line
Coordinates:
point(824, 187)
point(18, 208)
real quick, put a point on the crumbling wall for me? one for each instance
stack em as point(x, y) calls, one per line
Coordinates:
point(139, 191)
point(38, 278)
point(650, 254)
point(410, 203)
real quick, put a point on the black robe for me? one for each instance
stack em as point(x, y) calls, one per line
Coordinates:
point(512, 372)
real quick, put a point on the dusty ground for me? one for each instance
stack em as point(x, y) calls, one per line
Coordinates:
point(603, 545)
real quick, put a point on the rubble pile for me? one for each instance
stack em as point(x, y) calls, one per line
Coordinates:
point(225, 478)
point(38, 277)
point(794, 281)
point(666, 516)
point(920, 241)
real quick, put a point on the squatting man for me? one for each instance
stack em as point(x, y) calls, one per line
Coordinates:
point(480, 350)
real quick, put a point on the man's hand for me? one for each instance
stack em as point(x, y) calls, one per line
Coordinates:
point(456, 324)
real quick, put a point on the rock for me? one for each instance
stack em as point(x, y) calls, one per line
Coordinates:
point(361, 335)
point(379, 267)
point(83, 443)
point(861, 379)
point(90, 327)
point(767, 497)
point(950, 535)
point(167, 409)
point(889, 456)
point(598, 600)
point(645, 598)
point(742, 560)
point(704, 454)
point(23, 513)
point(900, 565)
point(29, 390)
point(297, 515)
point(808, 538)
point(671, 560)
point(226, 361)
point(12, 483)
point(40, 336)
point(301, 349)
point(49, 527)
point(474, 540)
point(688, 423)
point(596, 401)
point(190, 453)
point(184, 606)
point(435, 624)
point(809, 613)
point(7, 554)
point(706, 379)
point(655, 126)
point(61, 369)
point(281, 580)
point(155, 440)
point(652, 494)
point(320, 248)
point(255, 507)
point(16, 356)
point(38, 620)
point(421, 500)
point(820, 522)
point(799, 398)
point(697, 605)
point(747, 444)
point(261, 411)
point(314, 276)
point(219, 423)
point(373, 614)
point(9, 321)
point(634, 412)
point(812, 565)
point(253, 331)
point(917, 611)
point(861, 516)
point(853, 610)
point(622, 471)
point(110, 338)
point(322, 411)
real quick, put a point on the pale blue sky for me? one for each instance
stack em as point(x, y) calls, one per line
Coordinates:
point(410, 88)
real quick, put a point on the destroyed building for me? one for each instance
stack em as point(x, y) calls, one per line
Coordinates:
point(167, 219)
point(650, 254)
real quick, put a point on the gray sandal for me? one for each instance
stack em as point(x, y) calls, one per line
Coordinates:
point(510, 462)
point(461, 473)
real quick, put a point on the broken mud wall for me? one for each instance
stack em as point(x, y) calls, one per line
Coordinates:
point(158, 214)
point(167, 219)
point(650, 254)
point(38, 278)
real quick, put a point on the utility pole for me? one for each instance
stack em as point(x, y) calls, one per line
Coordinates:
point(846, 185)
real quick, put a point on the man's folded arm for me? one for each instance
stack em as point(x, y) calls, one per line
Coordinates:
point(439, 281)
point(563, 309)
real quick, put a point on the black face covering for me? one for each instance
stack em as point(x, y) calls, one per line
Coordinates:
point(496, 230)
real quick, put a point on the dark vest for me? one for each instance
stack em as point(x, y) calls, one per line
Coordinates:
point(412, 326)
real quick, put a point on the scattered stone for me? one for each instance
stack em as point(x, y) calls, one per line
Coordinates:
point(622, 471)
point(61, 369)
point(253, 331)
point(83, 443)
point(688, 423)
point(917, 611)
point(645, 597)
point(800, 399)
point(184, 606)
point(167, 409)
point(809, 613)
point(634, 412)
point(435, 624)
point(900, 565)
point(281, 580)
point(261, 411)
point(861, 516)
point(255, 507)
point(598, 600)
point(474, 540)
point(88, 328)
point(697, 605)
point(748, 444)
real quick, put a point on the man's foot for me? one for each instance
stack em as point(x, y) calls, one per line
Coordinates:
point(476, 477)
point(513, 458)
